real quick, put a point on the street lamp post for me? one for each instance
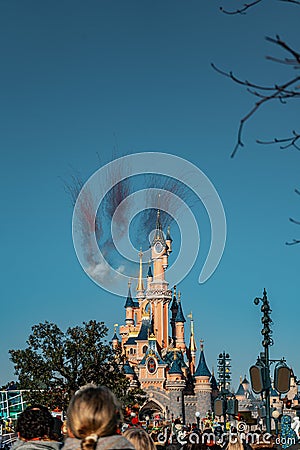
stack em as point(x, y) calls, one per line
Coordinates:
point(265, 357)
point(224, 382)
point(197, 414)
point(260, 372)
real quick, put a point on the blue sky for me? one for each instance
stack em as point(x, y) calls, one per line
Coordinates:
point(81, 78)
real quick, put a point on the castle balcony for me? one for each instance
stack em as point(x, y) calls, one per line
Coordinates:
point(159, 293)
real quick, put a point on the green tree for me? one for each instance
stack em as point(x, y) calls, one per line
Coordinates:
point(54, 365)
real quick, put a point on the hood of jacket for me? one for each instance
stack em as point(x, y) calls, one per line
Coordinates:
point(104, 443)
point(36, 445)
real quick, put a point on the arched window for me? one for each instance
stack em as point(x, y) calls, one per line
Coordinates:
point(145, 348)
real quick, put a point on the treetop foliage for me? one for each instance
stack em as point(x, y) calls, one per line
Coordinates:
point(54, 365)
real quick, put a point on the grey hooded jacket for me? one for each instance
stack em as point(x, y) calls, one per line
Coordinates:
point(36, 445)
point(104, 443)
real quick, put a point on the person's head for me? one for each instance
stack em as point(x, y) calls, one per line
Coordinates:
point(139, 438)
point(93, 412)
point(34, 423)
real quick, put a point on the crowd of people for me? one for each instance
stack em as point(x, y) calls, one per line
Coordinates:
point(94, 422)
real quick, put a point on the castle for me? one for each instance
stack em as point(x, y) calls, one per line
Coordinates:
point(163, 363)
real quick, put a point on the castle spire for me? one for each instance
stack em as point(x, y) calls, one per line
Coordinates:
point(179, 316)
point(179, 326)
point(192, 346)
point(140, 286)
point(158, 235)
point(129, 302)
point(202, 369)
point(115, 337)
point(149, 275)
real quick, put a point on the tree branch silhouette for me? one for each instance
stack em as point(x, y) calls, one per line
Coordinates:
point(281, 92)
point(247, 6)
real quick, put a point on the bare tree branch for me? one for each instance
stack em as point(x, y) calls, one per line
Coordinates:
point(247, 6)
point(241, 10)
point(288, 142)
point(284, 45)
point(294, 241)
point(265, 94)
point(297, 222)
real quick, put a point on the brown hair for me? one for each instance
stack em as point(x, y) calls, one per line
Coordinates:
point(139, 438)
point(93, 412)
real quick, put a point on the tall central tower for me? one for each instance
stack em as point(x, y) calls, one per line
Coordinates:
point(158, 293)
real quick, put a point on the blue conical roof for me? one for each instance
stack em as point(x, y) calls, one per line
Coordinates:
point(174, 305)
point(202, 369)
point(175, 368)
point(128, 369)
point(241, 390)
point(144, 330)
point(129, 302)
point(115, 337)
point(149, 272)
point(179, 316)
point(213, 383)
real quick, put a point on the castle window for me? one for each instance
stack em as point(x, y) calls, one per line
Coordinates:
point(178, 399)
point(145, 348)
point(131, 351)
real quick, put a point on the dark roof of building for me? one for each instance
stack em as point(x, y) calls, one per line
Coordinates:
point(136, 304)
point(152, 351)
point(244, 392)
point(169, 358)
point(149, 272)
point(115, 337)
point(179, 316)
point(245, 381)
point(129, 302)
point(202, 369)
point(144, 330)
point(131, 341)
point(213, 383)
point(128, 369)
point(241, 390)
point(174, 304)
point(175, 368)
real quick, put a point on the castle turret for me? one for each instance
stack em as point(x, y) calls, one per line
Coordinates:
point(202, 384)
point(175, 385)
point(214, 386)
point(157, 292)
point(149, 275)
point(169, 241)
point(129, 305)
point(115, 340)
point(179, 326)
point(174, 309)
point(140, 286)
point(159, 254)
